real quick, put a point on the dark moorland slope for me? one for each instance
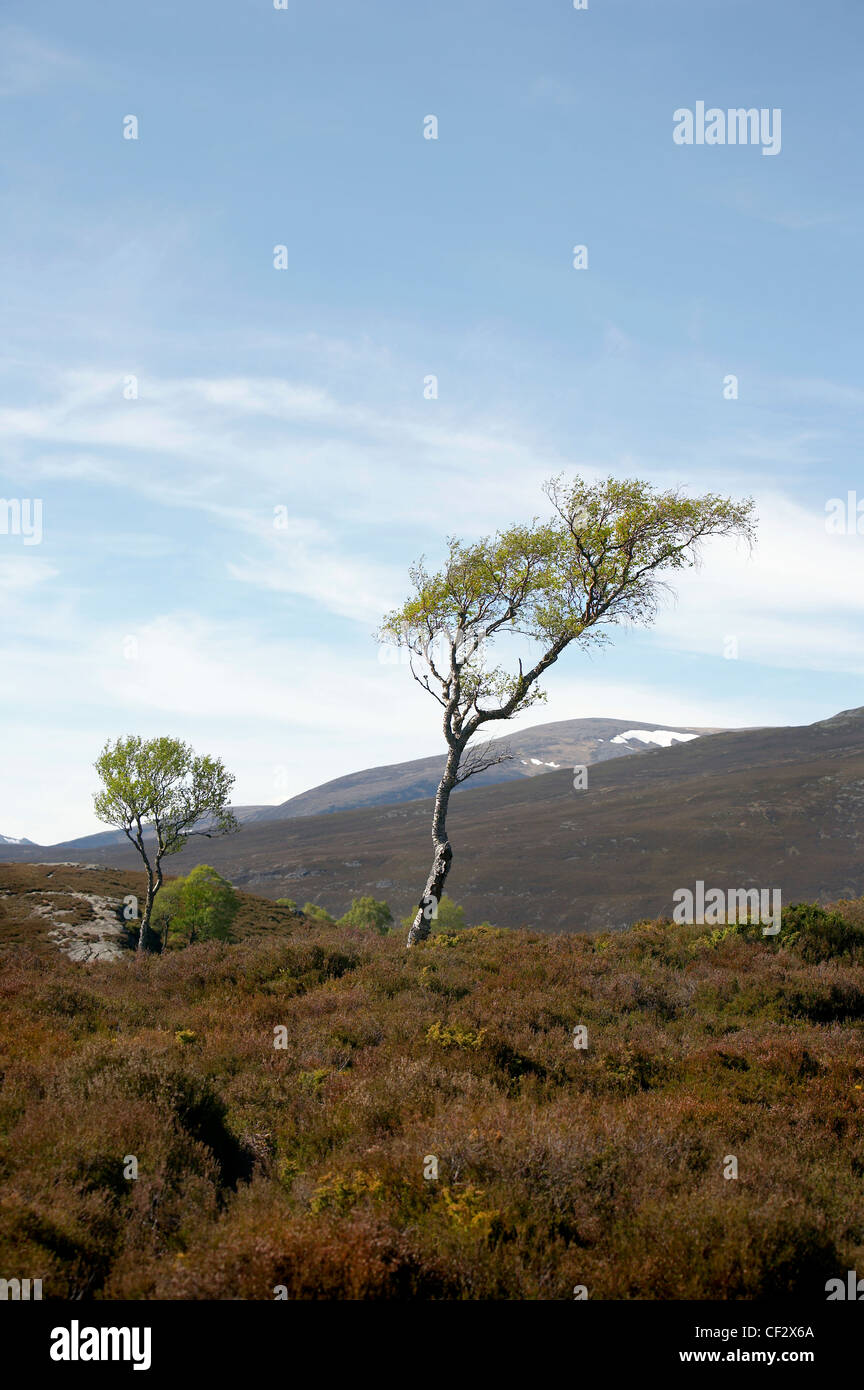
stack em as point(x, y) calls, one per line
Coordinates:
point(774, 808)
point(534, 752)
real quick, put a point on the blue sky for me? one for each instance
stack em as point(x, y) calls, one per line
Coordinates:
point(162, 598)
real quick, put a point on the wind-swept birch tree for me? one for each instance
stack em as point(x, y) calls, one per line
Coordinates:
point(160, 794)
point(597, 562)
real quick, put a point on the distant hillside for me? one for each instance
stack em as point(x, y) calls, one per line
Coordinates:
point(117, 837)
point(544, 748)
point(536, 751)
point(768, 807)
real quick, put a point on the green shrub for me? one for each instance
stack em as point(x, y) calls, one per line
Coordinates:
point(449, 918)
point(200, 907)
point(317, 913)
point(369, 914)
point(817, 933)
point(166, 909)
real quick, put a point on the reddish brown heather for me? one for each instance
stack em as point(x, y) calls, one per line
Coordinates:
point(304, 1167)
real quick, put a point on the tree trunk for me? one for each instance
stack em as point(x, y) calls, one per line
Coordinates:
point(442, 853)
point(147, 939)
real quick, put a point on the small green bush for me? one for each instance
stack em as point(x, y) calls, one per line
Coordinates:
point(369, 914)
point(449, 918)
point(317, 913)
point(200, 907)
point(817, 933)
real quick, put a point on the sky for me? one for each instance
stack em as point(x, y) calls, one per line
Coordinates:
point(234, 452)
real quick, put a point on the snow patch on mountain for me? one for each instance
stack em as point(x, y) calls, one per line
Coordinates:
point(663, 737)
point(11, 840)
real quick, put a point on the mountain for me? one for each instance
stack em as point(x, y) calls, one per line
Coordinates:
point(544, 748)
point(775, 808)
point(102, 838)
point(536, 751)
point(11, 840)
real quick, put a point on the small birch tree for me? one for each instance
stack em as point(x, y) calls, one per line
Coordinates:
point(159, 785)
point(597, 562)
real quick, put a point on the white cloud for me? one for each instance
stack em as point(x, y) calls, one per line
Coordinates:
point(797, 601)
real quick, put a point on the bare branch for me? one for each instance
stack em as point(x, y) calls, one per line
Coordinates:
point(482, 757)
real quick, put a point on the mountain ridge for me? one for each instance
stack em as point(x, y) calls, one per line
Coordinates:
point(564, 742)
point(734, 809)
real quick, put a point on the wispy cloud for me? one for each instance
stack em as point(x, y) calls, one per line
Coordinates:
point(23, 573)
point(28, 63)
